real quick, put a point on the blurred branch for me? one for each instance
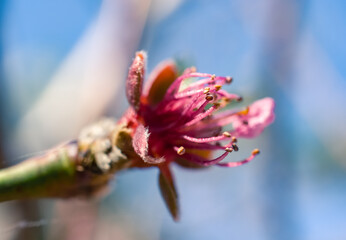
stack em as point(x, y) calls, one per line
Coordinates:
point(81, 89)
point(281, 33)
point(80, 168)
point(88, 79)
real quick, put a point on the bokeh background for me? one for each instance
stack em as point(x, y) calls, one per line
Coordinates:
point(63, 65)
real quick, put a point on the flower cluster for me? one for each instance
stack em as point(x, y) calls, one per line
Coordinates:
point(180, 118)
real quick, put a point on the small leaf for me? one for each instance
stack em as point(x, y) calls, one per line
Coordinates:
point(168, 192)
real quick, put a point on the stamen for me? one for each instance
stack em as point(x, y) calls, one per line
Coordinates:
point(256, 151)
point(234, 139)
point(212, 77)
point(176, 84)
point(193, 69)
point(181, 150)
point(206, 90)
point(229, 79)
point(200, 109)
point(244, 112)
point(226, 134)
point(203, 140)
point(230, 96)
point(204, 162)
point(235, 147)
point(228, 149)
point(217, 105)
point(185, 111)
point(218, 87)
point(202, 82)
point(220, 119)
point(236, 164)
point(203, 146)
point(200, 116)
point(209, 97)
point(185, 94)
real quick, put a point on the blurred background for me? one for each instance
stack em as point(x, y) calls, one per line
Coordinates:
point(63, 65)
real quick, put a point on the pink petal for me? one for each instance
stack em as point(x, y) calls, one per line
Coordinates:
point(260, 115)
point(140, 144)
point(135, 79)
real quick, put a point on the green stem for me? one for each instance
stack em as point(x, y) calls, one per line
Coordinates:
point(47, 176)
point(79, 168)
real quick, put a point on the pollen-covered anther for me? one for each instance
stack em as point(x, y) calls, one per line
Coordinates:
point(206, 90)
point(209, 97)
point(229, 79)
point(234, 139)
point(244, 112)
point(193, 69)
point(235, 147)
point(256, 151)
point(216, 105)
point(218, 87)
point(181, 150)
point(228, 149)
point(226, 134)
point(226, 100)
point(212, 77)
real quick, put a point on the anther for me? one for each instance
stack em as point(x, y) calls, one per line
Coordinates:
point(217, 87)
point(239, 99)
point(227, 100)
point(235, 147)
point(228, 149)
point(193, 69)
point(209, 97)
point(234, 139)
point(245, 122)
point(255, 151)
point(181, 150)
point(212, 77)
point(229, 79)
point(226, 134)
point(216, 105)
point(206, 90)
point(244, 112)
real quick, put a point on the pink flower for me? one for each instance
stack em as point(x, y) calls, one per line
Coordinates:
point(178, 121)
point(179, 118)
